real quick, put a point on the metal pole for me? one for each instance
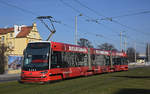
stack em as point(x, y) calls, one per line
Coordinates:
point(76, 30)
point(111, 63)
point(148, 52)
point(125, 44)
point(135, 51)
point(89, 59)
point(120, 41)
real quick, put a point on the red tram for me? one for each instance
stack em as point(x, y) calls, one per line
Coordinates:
point(49, 61)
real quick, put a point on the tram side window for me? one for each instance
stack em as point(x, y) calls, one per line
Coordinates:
point(119, 61)
point(124, 61)
point(93, 60)
point(100, 60)
point(116, 61)
point(107, 60)
point(56, 60)
point(74, 59)
point(113, 60)
point(68, 58)
point(82, 59)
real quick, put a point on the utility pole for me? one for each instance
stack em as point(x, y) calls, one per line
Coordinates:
point(120, 41)
point(148, 52)
point(76, 30)
point(89, 59)
point(125, 44)
point(135, 51)
point(125, 41)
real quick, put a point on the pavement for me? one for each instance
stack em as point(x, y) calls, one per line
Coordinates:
point(138, 65)
point(9, 77)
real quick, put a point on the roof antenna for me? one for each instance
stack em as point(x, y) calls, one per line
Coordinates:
point(53, 30)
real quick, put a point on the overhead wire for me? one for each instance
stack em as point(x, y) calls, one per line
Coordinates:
point(19, 8)
point(110, 19)
point(35, 14)
point(68, 5)
point(89, 18)
point(30, 12)
point(131, 14)
point(89, 8)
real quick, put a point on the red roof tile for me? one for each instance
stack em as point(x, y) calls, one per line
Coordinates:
point(6, 30)
point(24, 32)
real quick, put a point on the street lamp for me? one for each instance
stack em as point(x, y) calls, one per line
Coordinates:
point(121, 36)
point(76, 28)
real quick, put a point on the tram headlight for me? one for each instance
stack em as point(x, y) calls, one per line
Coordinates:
point(43, 76)
point(44, 72)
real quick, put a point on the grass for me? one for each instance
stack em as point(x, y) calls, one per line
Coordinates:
point(135, 81)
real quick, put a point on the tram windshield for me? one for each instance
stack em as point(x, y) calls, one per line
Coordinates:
point(36, 56)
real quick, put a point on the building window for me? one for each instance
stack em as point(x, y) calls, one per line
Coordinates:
point(34, 35)
point(11, 34)
point(30, 40)
point(3, 38)
point(10, 45)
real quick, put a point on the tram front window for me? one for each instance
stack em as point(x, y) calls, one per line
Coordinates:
point(36, 57)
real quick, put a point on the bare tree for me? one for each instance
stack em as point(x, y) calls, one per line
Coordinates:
point(3, 61)
point(107, 47)
point(85, 43)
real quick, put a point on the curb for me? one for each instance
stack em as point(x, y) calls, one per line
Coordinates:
point(9, 77)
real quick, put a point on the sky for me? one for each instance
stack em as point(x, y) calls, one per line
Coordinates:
point(101, 20)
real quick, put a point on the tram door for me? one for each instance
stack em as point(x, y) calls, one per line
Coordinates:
point(58, 63)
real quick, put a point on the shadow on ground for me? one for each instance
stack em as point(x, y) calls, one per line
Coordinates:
point(137, 77)
point(133, 91)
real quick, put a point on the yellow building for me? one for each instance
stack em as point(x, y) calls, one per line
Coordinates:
point(17, 38)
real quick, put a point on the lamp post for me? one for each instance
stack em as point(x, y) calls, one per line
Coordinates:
point(135, 51)
point(121, 41)
point(121, 36)
point(76, 35)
